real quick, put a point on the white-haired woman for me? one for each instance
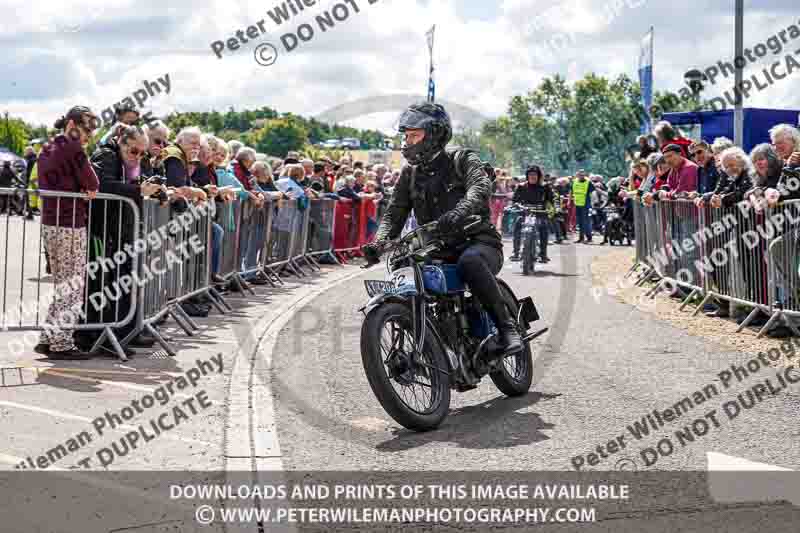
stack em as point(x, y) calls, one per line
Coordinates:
point(233, 148)
point(737, 181)
point(786, 140)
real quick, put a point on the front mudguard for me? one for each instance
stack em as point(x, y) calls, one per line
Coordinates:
point(379, 299)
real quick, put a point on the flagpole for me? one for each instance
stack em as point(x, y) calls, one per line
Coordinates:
point(652, 68)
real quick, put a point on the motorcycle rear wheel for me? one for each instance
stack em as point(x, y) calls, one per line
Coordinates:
point(389, 364)
point(515, 375)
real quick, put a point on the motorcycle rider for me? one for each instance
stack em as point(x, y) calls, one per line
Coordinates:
point(533, 193)
point(448, 186)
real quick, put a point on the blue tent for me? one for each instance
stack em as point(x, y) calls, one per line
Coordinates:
point(712, 124)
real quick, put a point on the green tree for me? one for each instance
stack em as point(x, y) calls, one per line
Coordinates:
point(13, 134)
point(279, 136)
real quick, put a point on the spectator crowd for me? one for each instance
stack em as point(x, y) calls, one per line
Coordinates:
point(141, 162)
point(193, 168)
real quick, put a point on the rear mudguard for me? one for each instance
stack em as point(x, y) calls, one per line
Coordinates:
point(521, 306)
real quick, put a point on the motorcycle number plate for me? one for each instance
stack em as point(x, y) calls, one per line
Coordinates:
point(530, 219)
point(404, 281)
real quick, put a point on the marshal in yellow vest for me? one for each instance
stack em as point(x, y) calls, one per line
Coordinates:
point(579, 190)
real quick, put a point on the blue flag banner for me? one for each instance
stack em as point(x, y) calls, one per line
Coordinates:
point(431, 83)
point(646, 78)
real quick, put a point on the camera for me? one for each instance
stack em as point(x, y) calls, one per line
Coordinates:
point(161, 196)
point(791, 172)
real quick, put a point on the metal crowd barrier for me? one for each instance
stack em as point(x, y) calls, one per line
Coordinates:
point(322, 227)
point(170, 261)
point(176, 266)
point(732, 254)
point(28, 290)
point(351, 227)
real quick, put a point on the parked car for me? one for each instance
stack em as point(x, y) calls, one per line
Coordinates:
point(351, 142)
point(332, 143)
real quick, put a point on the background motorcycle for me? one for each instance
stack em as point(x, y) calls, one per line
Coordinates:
point(617, 229)
point(533, 218)
point(424, 334)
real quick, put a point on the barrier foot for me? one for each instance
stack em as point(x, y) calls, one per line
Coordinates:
point(688, 298)
point(159, 339)
point(703, 303)
point(215, 303)
point(296, 262)
point(749, 319)
point(270, 272)
point(632, 270)
point(115, 343)
point(644, 276)
point(267, 278)
point(314, 262)
point(244, 285)
point(108, 334)
point(181, 322)
point(290, 265)
point(215, 295)
point(311, 263)
point(652, 293)
point(184, 315)
point(788, 321)
point(763, 331)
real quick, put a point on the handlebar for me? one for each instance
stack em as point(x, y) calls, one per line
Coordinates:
point(473, 222)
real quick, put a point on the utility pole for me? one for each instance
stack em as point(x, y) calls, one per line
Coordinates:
point(738, 114)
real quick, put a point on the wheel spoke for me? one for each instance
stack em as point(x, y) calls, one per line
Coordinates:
point(416, 386)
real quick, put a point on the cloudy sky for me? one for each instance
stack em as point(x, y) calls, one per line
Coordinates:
point(99, 52)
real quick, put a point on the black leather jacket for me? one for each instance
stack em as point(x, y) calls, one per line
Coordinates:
point(454, 181)
point(533, 195)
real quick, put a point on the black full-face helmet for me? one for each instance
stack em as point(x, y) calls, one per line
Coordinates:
point(438, 131)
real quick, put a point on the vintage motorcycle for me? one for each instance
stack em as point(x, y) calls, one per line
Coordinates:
point(617, 229)
point(424, 334)
point(534, 216)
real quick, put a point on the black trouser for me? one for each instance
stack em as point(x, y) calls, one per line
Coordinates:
point(541, 225)
point(478, 265)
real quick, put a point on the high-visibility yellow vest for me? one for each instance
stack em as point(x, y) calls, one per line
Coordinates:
point(579, 190)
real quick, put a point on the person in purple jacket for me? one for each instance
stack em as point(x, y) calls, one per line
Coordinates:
point(63, 166)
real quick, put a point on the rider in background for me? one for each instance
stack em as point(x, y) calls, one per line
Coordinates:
point(448, 186)
point(533, 194)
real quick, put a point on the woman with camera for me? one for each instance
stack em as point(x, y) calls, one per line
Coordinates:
point(118, 167)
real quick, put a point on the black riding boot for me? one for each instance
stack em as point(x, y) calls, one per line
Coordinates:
point(508, 336)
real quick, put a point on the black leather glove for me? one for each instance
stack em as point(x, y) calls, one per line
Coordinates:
point(449, 223)
point(372, 252)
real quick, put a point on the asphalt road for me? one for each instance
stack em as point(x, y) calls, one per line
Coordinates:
point(603, 367)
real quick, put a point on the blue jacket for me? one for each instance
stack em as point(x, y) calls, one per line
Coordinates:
point(707, 178)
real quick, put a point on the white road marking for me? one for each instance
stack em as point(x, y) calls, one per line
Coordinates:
point(70, 416)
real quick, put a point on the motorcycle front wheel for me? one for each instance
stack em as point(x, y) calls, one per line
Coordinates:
point(529, 254)
point(412, 387)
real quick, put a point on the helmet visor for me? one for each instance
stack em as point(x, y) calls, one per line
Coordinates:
point(413, 120)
